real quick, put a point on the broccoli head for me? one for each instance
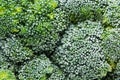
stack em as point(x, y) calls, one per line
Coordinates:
point(80, 55)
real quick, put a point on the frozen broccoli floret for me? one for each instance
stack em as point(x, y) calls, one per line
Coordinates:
point(7, 75)
point(80, 55)
point(13, 50)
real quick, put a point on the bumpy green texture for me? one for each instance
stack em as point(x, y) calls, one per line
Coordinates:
point(81, 10)
point(81, 56)
point(6, 75)
point(40, 69)
point(112, 14)
point(111, 45)
point(60, 39)
point(13, 50)
point(43, 6)
point(4, 64)
point(117, 71)
point(35, 23)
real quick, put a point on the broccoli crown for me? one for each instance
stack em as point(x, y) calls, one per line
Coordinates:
point(13, 50)
point(40, 69)
point(7, 75)
point(33, 21)
point(80, 54)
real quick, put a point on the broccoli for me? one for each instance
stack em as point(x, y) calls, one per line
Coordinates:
point(7, 75)
point(117, 71)
point(115, 75)
point(111, 45)
point(60, 39)
point(40, 69)
point(111, 15)
point(34, 22)
point(80, 56)
point(81, 10)
point(13, 50)
point(4, 64)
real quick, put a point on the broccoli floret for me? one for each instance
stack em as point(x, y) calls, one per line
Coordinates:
point(37, 69)
point(111, 45)
point(40, 32)
point(7, 75)
point(111, 15)
point(80, 56)
point(81, 10)
point(13, 50)
point(40, 69)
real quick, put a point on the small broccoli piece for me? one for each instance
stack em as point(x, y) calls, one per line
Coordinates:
point(7, 75)
point(37, 69)
point(13, 50)
point(60, 19)
point(40, 69)
point(80, 56)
